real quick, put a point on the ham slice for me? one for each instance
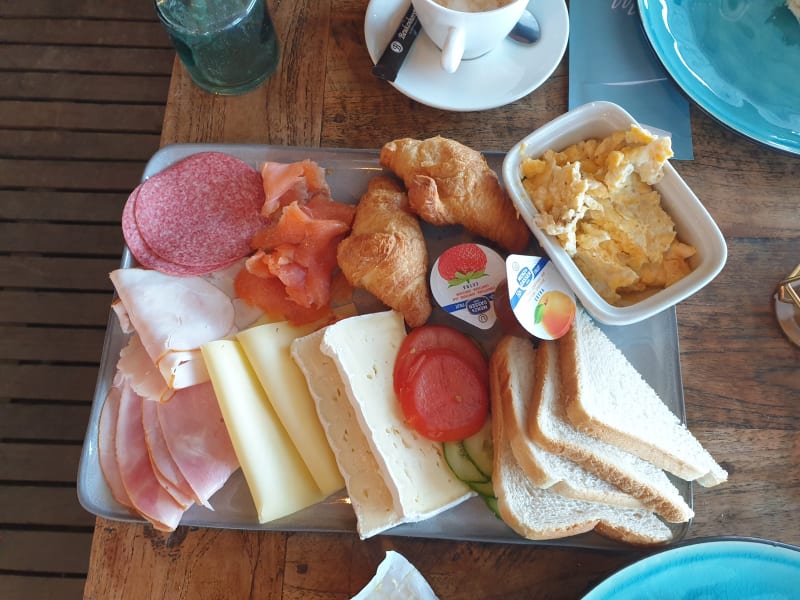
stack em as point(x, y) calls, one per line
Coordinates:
point(198, 440)
point(164, 467)
point(224, 280)
point(173, 316)
point(147, 496)
point(137, 367)
point(106, 446)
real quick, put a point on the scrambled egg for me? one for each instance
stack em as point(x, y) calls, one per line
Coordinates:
point(596, 198)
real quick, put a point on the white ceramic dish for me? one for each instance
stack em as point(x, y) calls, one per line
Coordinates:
point(500, 77)
point(692, 221)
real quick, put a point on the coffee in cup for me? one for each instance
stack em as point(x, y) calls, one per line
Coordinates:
point(473, 5)
point(466, 29)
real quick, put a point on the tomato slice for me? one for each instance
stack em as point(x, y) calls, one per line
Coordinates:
point(444, 398)
point(429, 337)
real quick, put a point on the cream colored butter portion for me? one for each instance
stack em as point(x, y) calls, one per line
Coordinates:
point(364, 349)
point(267, 348)
point(370, 497)
point(276, 475)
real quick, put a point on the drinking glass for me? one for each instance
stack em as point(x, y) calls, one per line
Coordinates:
point(228, 46)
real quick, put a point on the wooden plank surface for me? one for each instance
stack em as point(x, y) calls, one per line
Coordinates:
point(80, 116)
point(105, 87)
point(739, 371)
point(82, 308)
point(60, 144)
point(25, 587)
point(87, 9)
point(54, 383)
point(131, 61)
point(62, 206)
point(83, 85)
point(76, 31)
point(42, 422)
point(50, 551)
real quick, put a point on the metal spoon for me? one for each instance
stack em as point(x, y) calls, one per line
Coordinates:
point(527, 30)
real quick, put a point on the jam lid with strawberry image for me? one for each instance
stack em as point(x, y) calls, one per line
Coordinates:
point(540, 298)
point(463, 282)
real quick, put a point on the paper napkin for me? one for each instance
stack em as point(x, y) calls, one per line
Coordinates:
point(610, 59)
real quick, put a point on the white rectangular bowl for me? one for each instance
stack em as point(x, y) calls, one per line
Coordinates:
point(693, 223)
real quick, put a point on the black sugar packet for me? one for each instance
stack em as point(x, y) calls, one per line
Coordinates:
point(400, 45)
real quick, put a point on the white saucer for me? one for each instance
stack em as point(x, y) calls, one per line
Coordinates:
point(504, 75)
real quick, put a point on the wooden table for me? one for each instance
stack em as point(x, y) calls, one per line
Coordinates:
point(740, 375)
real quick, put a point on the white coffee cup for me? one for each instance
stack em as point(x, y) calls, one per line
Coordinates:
point(463, 35)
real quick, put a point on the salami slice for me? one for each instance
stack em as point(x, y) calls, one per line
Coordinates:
point(201, 211)
point(145, 256)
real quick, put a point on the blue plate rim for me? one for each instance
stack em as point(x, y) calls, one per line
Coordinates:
point(676, 77)
point(682, 546)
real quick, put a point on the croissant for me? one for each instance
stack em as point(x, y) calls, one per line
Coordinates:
point(385, 252)
point(450, 183)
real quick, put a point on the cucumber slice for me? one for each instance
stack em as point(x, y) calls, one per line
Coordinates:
point(484, 488)
point(461, 464)
point(480, 450)
point(491, 502)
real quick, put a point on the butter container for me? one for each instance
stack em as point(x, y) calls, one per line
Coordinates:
point(539, 298)
point(693, 223)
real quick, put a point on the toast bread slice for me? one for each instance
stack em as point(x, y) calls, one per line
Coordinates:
point(549, 426)
point(512, 379)
point(605, 396)
point(540, 514)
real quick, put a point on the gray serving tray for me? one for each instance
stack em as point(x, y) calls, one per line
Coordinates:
point(651, 346)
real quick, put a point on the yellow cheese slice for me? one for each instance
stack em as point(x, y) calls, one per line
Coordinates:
point(268, 348)
point(276, 475)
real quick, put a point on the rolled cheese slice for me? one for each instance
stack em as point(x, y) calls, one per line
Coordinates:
point(276, 475)
point(268, 349)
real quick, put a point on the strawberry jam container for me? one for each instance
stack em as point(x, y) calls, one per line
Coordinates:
point(463, 282)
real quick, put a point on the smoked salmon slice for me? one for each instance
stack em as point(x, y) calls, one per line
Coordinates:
point(295, 254)
point(293, 182)
point(321, 206)
point(269, 294)
point(300, 250)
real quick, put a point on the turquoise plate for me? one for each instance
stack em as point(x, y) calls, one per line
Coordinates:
point(716, 568)
point(739, 60)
